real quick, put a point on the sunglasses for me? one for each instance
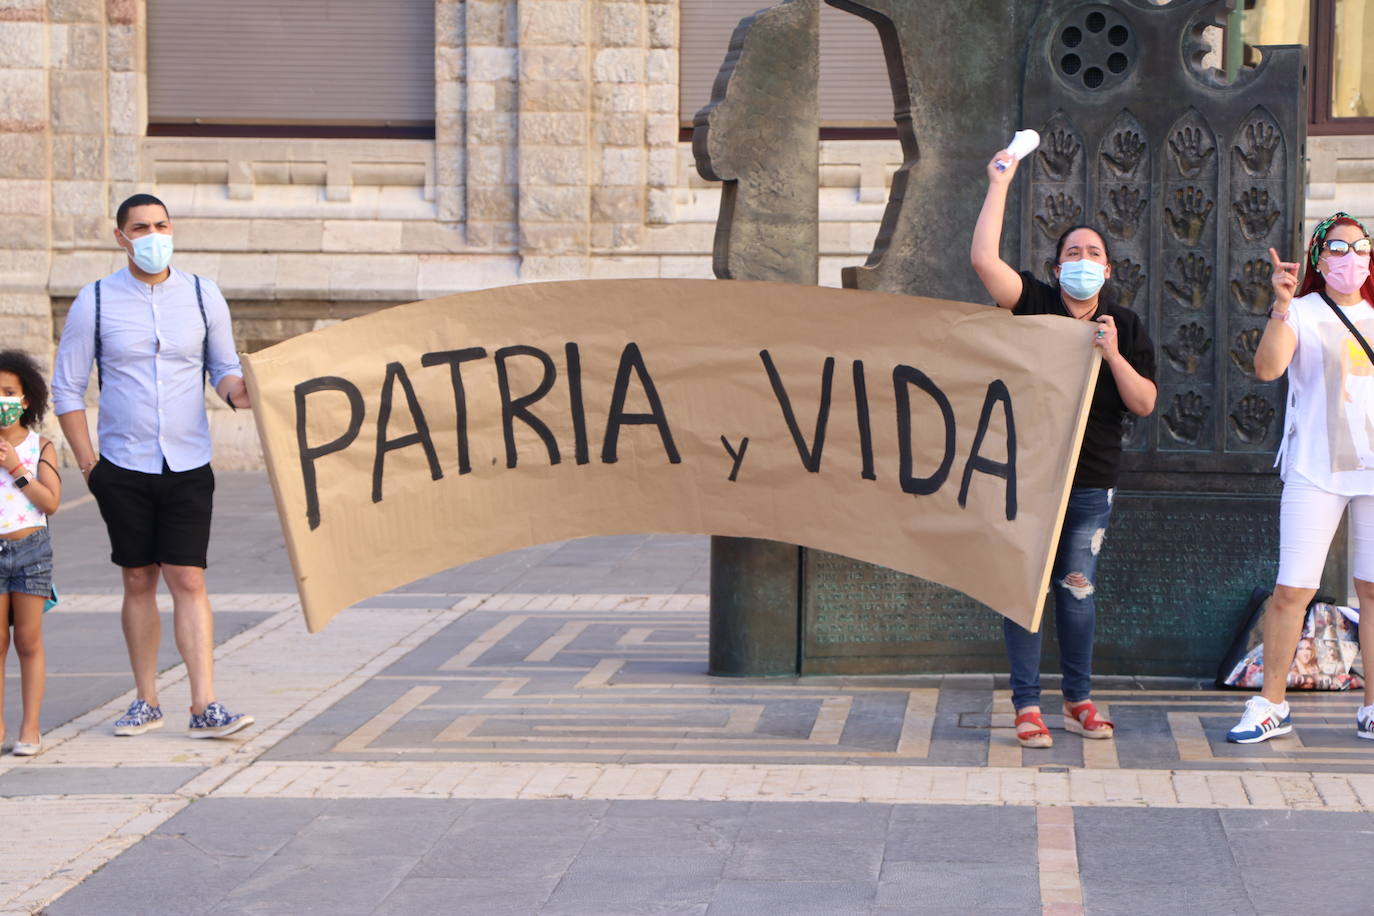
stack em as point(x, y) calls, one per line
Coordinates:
point(1339, 248)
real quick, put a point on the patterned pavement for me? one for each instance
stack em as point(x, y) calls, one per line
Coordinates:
point(474, 744)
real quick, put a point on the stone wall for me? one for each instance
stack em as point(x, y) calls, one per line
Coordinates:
point(556, 156)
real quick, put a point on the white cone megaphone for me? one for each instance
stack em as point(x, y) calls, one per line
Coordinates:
point(1022, 144)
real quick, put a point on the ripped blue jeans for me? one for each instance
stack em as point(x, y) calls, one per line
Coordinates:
point(1073, 580)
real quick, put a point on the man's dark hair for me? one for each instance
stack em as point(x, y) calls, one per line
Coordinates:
point(31, 380)
point(138, 200)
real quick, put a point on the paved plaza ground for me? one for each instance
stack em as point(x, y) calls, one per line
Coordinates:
point(535, 734)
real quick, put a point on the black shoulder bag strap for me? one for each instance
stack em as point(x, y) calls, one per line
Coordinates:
point(1350, 325)
point(205, 344)
point(99, 379)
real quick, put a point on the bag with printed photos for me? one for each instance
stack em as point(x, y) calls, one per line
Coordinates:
point(1327, 658)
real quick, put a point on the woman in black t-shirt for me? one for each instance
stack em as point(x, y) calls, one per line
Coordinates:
point(1125, 383)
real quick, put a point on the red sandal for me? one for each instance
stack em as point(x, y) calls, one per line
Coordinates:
point(1036, 736)
point(1082, 719)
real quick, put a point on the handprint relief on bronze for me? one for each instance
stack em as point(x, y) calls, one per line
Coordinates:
point(1256, 151)
point(1187, 216)
point(1251, 418)
point(1058, 150)
point(1060, 214)
point(1243, 353)
point(1129, 277)
point(1192, 151)
point(1255, 214)
point(1121, 218)
point(1191, 283)
point(1184, 418)
point(1190, 344)
point(1128, 149)
point(1252, 290)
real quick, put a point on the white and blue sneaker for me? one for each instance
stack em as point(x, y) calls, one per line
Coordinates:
point(217, 722)
point(140, 718)
point(1262, 720)
point(1364, 722)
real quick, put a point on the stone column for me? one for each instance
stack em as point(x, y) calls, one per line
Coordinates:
point(490, 140)
point(88, 103)
point(619, 123)
point(25, 197)
point(661, 100)
point(554, 126)
point(450, 151)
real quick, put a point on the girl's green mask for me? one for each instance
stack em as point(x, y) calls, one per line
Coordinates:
point(11, 409)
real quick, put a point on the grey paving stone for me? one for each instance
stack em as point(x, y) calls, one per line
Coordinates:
point(610, 865)
point(37, 780)
point(969, 887)
point(1324, 821)
point(875, 722)
point(672, 834)
point(628, 892)
point(339, 832)
point(1339, 735)
point(161, 874)
point(715, 810)
point(1165, 857)
point(951, 745)
point(954, 910)
point(333, 885)
point(1305, 852)
point(517, 816)
point(956, 833)
point(787, 855)
point(862, 821)
point(241, 827)
point(535, 855)
point(1305, 881)
point(1167, 899)
point(795, 898)
point(495, 896)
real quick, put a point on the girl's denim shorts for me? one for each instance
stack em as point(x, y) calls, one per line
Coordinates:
point(26, 564)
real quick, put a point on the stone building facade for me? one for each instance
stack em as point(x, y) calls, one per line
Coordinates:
point(557, 154)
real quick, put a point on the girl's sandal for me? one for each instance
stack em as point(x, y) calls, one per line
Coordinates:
point(1082, 719)
point(1034, 734)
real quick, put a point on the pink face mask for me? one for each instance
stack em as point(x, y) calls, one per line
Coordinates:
point(1347, 274)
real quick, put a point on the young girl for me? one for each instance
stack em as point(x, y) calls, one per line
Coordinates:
point(29, 492)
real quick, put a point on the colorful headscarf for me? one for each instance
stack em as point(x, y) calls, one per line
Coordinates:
point(1314, 248)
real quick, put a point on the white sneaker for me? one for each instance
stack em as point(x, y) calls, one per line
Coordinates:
point(1262, 720)
point(1364, 722)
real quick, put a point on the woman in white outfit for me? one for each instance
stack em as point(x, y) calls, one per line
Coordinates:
point(1321, 455)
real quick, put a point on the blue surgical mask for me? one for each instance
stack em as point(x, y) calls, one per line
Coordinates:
point(152, 252)
point(1082, 279)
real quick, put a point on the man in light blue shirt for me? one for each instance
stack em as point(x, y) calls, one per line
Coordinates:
point(153, 335)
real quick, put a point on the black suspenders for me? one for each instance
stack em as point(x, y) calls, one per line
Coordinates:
point(204, 347)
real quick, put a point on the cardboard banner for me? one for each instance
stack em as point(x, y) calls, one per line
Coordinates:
point(936, 438)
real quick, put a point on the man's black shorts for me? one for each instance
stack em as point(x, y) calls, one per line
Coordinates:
point(155, 518)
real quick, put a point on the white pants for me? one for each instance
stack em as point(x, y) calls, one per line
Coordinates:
point(1308, 516)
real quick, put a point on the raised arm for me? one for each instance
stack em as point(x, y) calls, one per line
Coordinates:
point(1000, 279)
point(1279, 343)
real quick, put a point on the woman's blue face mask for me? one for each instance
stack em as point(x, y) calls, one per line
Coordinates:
point(1082, 279)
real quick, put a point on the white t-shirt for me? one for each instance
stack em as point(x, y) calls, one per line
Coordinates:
point(1329, 425)
point(16, 512)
